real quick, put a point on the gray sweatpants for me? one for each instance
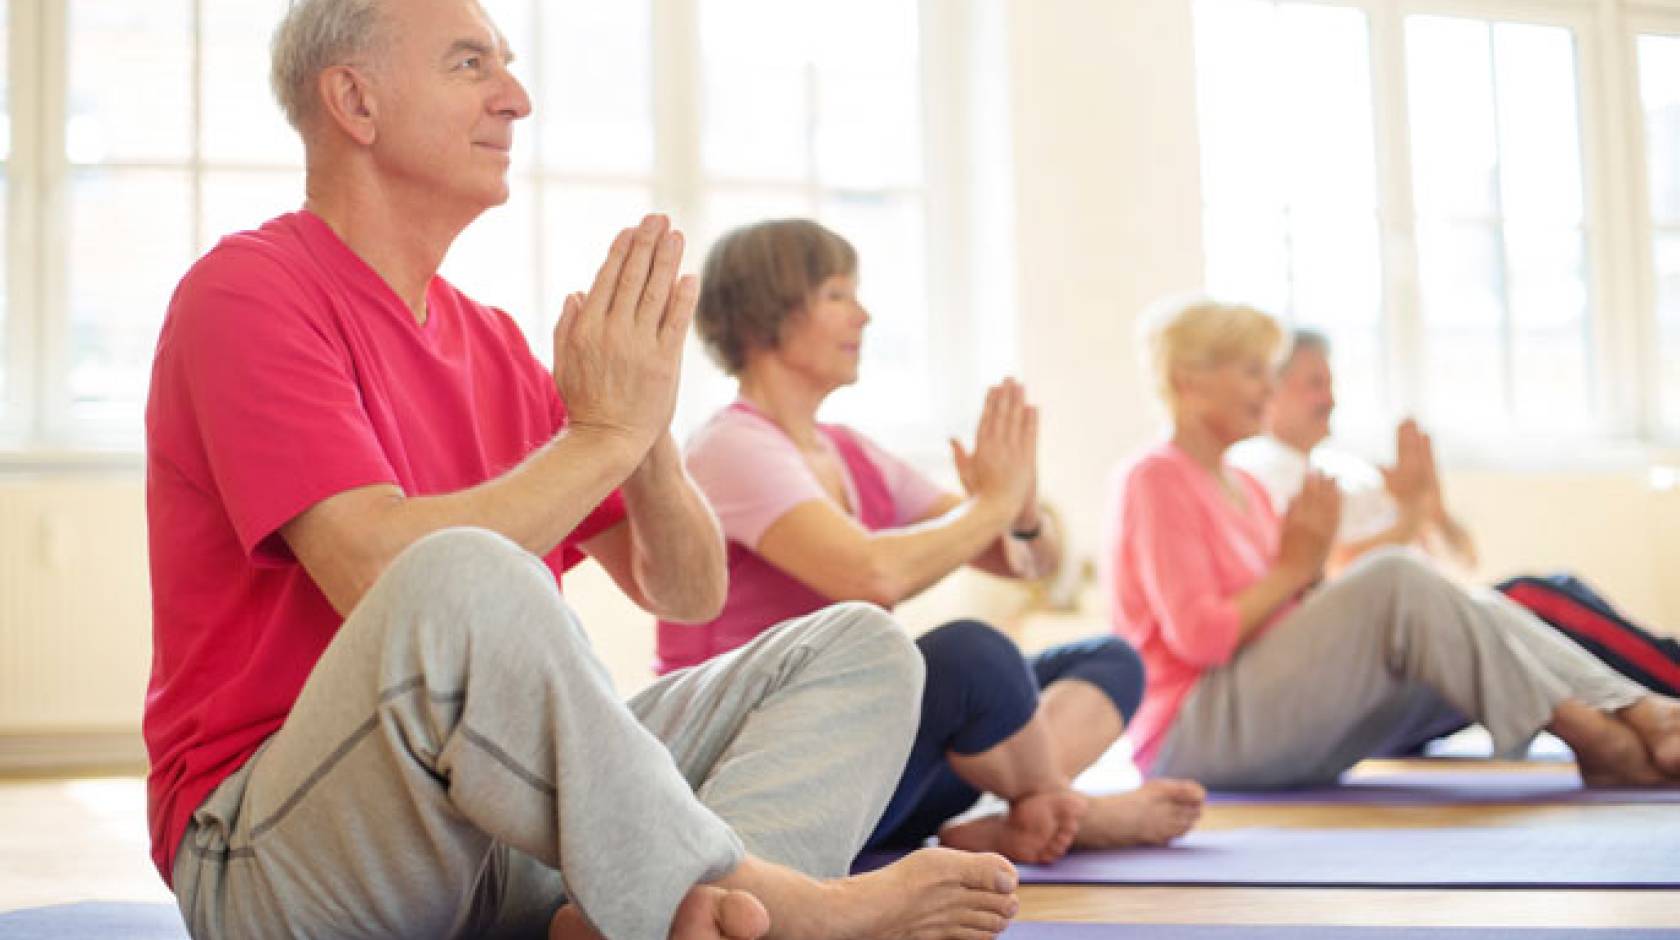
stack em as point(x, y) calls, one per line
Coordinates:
point(1390, 642)
point(458, 746)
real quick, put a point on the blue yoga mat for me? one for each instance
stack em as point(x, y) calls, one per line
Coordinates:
point(1438, 787)
point(115, 920)
point(1554, 855)
point(1042, 931)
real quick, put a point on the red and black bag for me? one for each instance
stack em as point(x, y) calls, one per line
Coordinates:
point(1576, 610)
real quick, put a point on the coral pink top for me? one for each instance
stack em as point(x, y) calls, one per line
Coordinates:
point(753, 474)
point(1177, 554)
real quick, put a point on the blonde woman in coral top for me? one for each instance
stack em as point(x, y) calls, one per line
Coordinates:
point(1261, 674)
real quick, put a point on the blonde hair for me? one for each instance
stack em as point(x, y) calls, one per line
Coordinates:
point(1199, 332)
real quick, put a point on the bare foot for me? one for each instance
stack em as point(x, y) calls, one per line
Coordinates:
point(1656, 719)
point(1609, 753)
point(1153, 814)
point(706, 913)
point(1038, 829)
point(931, 894)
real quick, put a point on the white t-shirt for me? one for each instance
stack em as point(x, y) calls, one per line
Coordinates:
point(1368, 509)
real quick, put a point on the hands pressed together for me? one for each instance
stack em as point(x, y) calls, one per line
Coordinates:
point(1309, 528)
point(618, 348)
point(1003, 468)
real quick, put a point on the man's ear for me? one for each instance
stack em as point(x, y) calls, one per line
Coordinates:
point(349, 102)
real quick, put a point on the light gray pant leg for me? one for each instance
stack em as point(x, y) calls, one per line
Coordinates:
point(458, 720)
point(1586, 677)
point(798, 738)
point(1323, 688)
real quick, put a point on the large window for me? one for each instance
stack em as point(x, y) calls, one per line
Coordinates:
point(1659, 74)
point(158, 135)
point(1437, 188)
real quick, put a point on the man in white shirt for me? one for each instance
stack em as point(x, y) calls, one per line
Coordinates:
point(1398, 505)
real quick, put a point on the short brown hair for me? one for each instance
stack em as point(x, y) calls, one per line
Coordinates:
point(756, 277)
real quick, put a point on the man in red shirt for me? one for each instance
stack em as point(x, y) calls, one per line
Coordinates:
point(371, 712)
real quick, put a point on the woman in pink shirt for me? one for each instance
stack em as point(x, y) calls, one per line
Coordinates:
point(1261, 674)
point(817, 514)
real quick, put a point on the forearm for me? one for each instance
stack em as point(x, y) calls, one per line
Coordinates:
point(1456, 543)
point(348, 543)
point(677, 558)
point(1260, 600)
point(1025, 559)
point(900, 563)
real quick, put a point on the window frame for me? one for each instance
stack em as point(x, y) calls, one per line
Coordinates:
point(1615, 223)
point(37, 428)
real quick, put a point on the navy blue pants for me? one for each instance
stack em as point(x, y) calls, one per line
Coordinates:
point(980, 691)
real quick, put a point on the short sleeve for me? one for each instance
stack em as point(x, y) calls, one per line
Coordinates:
point(751, 474)
point(913, 493)
point(272, 396)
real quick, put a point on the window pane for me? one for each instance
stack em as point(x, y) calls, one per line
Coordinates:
point(1238, 101)
point(1540, 143)
point(1248, 257)
point(1551, 342)
point(240, 200)
point(1464, 312)
point(894, 386)
point(868, 127)
point(1659, 86)
point(1465, 379)
point(130, 81)
point(1497, 165)
point(242, 121)
point(1455, 151)
point(1667, 257)
point(130, 242)
point(6, 390)
point(596, 101)
point(757, 82)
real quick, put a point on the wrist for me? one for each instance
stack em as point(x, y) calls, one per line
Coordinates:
point(620, 445)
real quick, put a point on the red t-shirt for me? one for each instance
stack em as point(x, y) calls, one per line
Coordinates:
point(288, 371)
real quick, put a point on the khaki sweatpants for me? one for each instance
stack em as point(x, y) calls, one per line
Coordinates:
point(1364, 654)
point(459, 748)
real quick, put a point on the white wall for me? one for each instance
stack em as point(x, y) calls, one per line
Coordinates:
point(1108, 219)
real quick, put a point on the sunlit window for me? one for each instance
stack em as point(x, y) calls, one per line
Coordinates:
point(1289, 176)
point(1496, 160)
point(1460, 290)
point(7, 393)
point(720, 112)
point(160, 165)
point(1659, 82)
point(796, 122)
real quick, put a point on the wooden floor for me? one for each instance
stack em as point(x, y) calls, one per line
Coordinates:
point(67, 840)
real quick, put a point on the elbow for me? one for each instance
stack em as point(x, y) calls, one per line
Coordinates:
point(876, 584)
point(698, 607)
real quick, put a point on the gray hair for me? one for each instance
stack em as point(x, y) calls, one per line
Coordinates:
point(314, 36)
point(1303, 339)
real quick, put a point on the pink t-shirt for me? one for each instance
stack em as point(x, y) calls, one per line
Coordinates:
point(1176, 556)
point(288, 371)
point(753, 474)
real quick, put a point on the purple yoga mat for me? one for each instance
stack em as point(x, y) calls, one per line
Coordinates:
point(1038, 931)
point(1435, 787)
point(1595, 855)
